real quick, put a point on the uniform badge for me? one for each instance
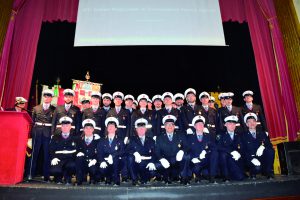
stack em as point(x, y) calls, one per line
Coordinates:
point(199, 112)
point(206, 147)
point(73, 144)
point(116, 148)
point(150, 151)
point(239, 146)
point(179, 145)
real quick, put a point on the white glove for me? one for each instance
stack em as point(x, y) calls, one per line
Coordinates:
point(151, 167)
point(96, 136)
point(154, 138)
point(103, 165)
point(255, 162)
point(189, 131)
point(195, 160)
point(54, 161)
point(80, 154)
point(179, 155)
point(92, 162)
point(125, 140)
point(137, 156)
point(260, 150)
point(109, 159)
point(202, 155)
point(235, 155)
point(165, 163)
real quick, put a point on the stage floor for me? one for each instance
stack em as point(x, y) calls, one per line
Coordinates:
point(281, 186)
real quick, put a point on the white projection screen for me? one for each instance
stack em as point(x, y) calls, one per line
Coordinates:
point(149, 22)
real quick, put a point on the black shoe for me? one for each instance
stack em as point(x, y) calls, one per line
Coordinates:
point(124, 180)
point(116, 184)
point(107, 182)
point(253, 177)
point(212, 180)
point(226, 180)
point(135, 183)
point(270, 176)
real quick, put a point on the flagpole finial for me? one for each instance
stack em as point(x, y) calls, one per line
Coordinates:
point(87, 76)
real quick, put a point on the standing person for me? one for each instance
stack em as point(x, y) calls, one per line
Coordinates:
point(149, 104)
point(128, 103)
point(157, 102)
point(203, 152)
point(20, 104)
point(41, 133)
point(171, 152)
point(230, 148)
point(142, 112)
point(109, 151)
point(85, 103)
point(222, 99)
point(68, 109)
point(63, 152)
point(211, 102)
point(86, 156)
point(259, 152)
point(209, 114)
point(141, 155)
point(229, 110)
point(190, 110)
point(168, 109)
point(250, 107)
point(179, 100)
point(95, 113)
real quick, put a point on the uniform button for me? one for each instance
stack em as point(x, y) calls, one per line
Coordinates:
point(64, 147)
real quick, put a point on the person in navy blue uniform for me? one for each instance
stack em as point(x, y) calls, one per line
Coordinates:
point(41, 133)
point(259, 152)
point(230, 148)
point(68, 109)
point(229, 110)
point(86, 157)
point(203, 152)
point(85, 103)
point(142, 112)
point(141, 154)
point(96, 113)
point(109, 150)
point(250, 107)
point(209, 114)
point(179, 100)
point(106, 101)
point(63, 152)
point(211, 103)
point(123, 130)
point(171, 152)
point(128, 103)
point(157, 102)
point(168, 109)
point(190, 110)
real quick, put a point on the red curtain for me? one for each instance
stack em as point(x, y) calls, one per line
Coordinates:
point(22, 37)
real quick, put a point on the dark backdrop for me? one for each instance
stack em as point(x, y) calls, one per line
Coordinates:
point(149, 69)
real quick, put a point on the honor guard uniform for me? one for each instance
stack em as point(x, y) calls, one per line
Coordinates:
point(229, 110)
point(96, 113)
point(86, 156)
point(19, 105)
point(171, 152)
point(259, 152)
point(190, 110)
point(142, 112)
point(68, 109)
point(128, 103)
point(230, 151)
point(157, 102)
point(41, 133)
point(106, 101)
point(209, 114)
point(203, 152)
point(122, 115)
point(167, 98)
point(250, 107)
point(141, 155)
point(179, 100)
point(85, 103)
point(110, 149)
point(63, 152)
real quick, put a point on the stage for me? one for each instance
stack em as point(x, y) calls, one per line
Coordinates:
point(280, 186)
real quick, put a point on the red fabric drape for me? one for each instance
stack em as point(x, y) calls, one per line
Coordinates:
point(7, 45)
point(21, 43)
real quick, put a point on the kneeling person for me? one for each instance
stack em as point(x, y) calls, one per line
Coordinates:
point(170, 150)
point(203, 151)
point(141, 154)
point(62, 153)
point(259, 152)
point(86, 157)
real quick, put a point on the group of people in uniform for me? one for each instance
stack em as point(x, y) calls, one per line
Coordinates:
point(175, 140)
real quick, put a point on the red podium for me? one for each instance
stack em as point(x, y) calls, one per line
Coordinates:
point(14, 130)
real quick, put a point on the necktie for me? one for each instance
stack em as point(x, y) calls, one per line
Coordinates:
point(199, 137)
point(143, 141)
point(67, 107)
point(231, 135)
point(229, 108)
point(87, 141)
point(118, 110)
point(206, 108)
point(45, 107)
point(110, 141)
point(253, 135)
point(170, 137)
point(65, 136)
